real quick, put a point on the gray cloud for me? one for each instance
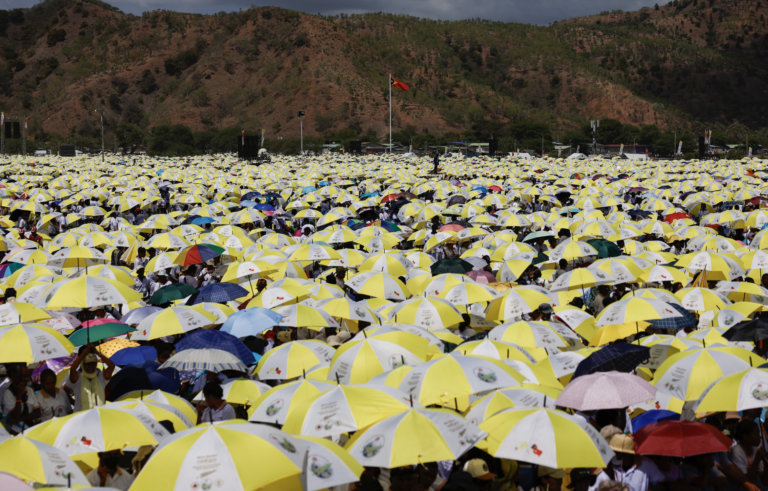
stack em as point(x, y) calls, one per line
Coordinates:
point(524, 11)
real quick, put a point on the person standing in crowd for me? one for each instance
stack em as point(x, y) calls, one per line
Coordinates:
point(88, 384)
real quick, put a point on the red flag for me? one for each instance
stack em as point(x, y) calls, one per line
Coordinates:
point(243, 136)
point(400, 85)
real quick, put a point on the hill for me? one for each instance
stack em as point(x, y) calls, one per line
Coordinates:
point(683, 66)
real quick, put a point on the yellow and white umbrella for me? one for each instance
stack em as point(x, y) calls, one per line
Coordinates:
point(545, 437)
point(275, 405)
point(344, 409)
point(416, 436)
point(173, 320)
point(175, 464)
point(356, 362)
point(293, 359)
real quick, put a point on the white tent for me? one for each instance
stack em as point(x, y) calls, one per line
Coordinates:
point(635, 156)
point(520, 155)
point(577, 156)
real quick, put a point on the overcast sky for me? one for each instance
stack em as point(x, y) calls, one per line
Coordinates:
point(526, 11)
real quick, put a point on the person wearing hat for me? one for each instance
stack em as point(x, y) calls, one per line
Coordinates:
point(550, 479)
point(88, 384)
point(482, 477)
point(546, 312)
point(639, 473)
point(333, 341)
point(283, 337)
point(583, 479)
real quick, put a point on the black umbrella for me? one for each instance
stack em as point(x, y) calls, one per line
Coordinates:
point(457, 200)
point(453, 265)
point(621, 357)
point(751, 330)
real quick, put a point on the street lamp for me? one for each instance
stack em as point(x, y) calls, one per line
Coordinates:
point(595, 123)
point(102, 133)
point(301, 128)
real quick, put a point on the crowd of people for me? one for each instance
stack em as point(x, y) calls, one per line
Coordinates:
point(196, 295)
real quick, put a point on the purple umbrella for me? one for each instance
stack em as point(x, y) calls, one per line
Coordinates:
point(605, 390)
point(55, 364)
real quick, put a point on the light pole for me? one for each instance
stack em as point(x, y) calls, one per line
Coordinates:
point(102, 133)
point(674, 147)
point(595, 123)
point(301, 128)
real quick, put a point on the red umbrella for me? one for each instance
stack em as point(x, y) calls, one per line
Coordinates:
point(451, 227)
point(680, 439)
point(676, 216)
point(482, 277)
point(495, 188)
point(389, 197)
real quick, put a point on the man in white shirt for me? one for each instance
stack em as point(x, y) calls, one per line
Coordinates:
point(639, 473)
point(109, 474)
point(162, 280)
point(114, 223)
point(216, 408)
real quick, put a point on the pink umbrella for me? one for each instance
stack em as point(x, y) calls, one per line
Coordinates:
point(10, 482)
point(482, 277)
point(97, 322)
point(605, 390)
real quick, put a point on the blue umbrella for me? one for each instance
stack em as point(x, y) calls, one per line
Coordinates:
point(308, 189)
point(250, 322)
point(480, 189)
point(250, 195)
point(324, 183)
point(621, 357)
point(198, 220)
point(143, 376)
point(264, 207)
point(677, 323)
point(134, 355)
point(248, 203)
point(209, 338)
point(218, 293)
point(653, 416)
point(135, 316)
point(369, 195)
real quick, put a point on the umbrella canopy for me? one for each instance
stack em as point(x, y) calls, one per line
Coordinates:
point(545, 437)
point(35, 461)
point(219, 340)
point(213, 360)
point(605, 390)
point(293, 359)
point(416, 436)
point(251, 321)
point(680, 439)
point(175, 291)
point(173, 320)
point(451, 265)
point(94, 333)
point(31, 343)
point(619, 357)
point(173, 464)
point(217, 293)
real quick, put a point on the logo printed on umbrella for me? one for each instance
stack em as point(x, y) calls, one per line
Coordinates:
point(373, 446)
point(275, 407)
point(320, 467)
point(759, 392)
point(283, 442)
point(487, 375)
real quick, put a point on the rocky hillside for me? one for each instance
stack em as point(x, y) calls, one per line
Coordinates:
point(682, 65)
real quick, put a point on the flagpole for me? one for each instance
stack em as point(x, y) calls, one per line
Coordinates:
point(390, 113)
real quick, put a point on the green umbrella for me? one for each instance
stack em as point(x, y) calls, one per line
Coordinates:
point(605, 248)
point(169, 293)
point(453, 265)
point(451, 212)
point(538, 235)
point(81, 337)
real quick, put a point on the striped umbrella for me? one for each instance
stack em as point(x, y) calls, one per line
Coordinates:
point(198, 254)
point(213, 360)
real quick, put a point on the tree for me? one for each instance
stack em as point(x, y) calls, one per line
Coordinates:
point(114, 102)
point(147, 84)
point(648, 133)
point(129, 134)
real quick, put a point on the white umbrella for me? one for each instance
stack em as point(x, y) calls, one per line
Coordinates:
point(213, 360)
